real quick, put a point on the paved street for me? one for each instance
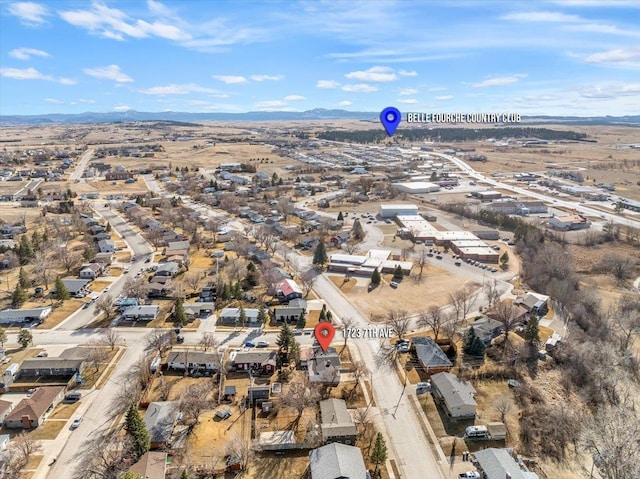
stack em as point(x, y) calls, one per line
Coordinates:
point(82, 165)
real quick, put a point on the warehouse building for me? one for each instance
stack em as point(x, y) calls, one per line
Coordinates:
point(391, 211)
point(417, 187)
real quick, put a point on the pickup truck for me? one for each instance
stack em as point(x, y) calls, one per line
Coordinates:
point(469, 475)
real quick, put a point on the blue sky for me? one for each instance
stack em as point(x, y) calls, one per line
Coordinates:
point(555, 57)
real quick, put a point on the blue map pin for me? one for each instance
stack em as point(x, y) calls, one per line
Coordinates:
point(390, 118)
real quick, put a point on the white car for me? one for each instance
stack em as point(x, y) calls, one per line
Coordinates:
point(262, 344)
point(76, 422)
point(127, 269)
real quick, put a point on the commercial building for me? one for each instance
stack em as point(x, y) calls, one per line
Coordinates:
point(416, 187)
point(364, 265)
point(392, 210)
point(569, 223)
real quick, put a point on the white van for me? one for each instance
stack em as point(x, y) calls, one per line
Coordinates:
point(422, 388)
point(477, 432)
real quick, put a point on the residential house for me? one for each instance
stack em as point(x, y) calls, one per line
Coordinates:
point(263, 361)
point(90, 270)
point(158, 289)
point(151, 465)
point(117, 175)
point(126, 303)
point(231, 316)
point(336, 423)
point(456, 396)
point(499, 464)
point(13, 316)
point(536, 302)
point(430, 356)
point(287, 290)
point(106, 246)
point(76, 287)
point(324, 367)
point(199, 310)
point(103, 258)
point(486, 329)
point(176, 247)
point(517, 313)
point(160, 420)
point(5, 408)
point(50, 367)
point(141, 313)
point(337, 461)
point(168, 269)
point(31, 412)
point(290, 312)
point(193, 360)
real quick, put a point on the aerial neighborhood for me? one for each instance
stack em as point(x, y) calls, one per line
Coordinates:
point(161, 287)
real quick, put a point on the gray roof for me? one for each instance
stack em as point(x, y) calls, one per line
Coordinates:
point(75, 285)
point(169, 266)
point(193, 357)
point(429, 353)
point(336, 420)
point(486, 328)
point(256, 357)
point(9, 314)
point(196, 308)
point(455, 392)
point(51, 363)
point(495, 463)
point(321, 358)
point(160, 419)
point(337, 461)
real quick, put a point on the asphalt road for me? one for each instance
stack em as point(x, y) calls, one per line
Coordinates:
point(82, 165)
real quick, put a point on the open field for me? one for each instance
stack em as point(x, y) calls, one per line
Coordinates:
point(61, 312)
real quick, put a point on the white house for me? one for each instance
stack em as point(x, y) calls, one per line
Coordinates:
point(181, 360)
point(106, 246)
point(141, 313)
point(324, 367)
point(9, 316)
point(232, 315)
point(457, 396)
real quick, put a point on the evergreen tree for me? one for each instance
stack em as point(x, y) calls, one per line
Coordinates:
point(23, 278)
point(25, 338)
point(294, 351)
point(237, 290)
point(357, 231)
point(3, 336)
point(89, 252)
point(185, 475)
point(301, 321)
point(242, 317)
point(263, 317)
point(504, 259)
point(323, 314)
point(285, 337)
point(398, 274)
point(320, 254)
point(19, 297)
point(340, 216)
point(136, 428)
point(62, 292)
point(379, 453)
point(179, 314)
point(274, 179)
point(375, 277)
point(24, 250)
point(532, 332)
point(36, 240)
point(226, 292)
point(472, 344)
point(329, 316)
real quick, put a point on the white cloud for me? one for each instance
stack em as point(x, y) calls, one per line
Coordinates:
point(184, 89)
point(55, 101)
point(85, 100)
point(294, 98)
point(27, 53)
point(30, 13)
point(602, 28)
point(260, 78)
point(547, 17)
point(116, 25)
point(230, 79)
point(374, 74)
point(499, 81)
point(121, 108)
point(33, 74)
point(327, 84)
point(345, 103)
point(271, 104)
point(617, 57)
point(408, 101)
point(408, 73)
point(110, 72)
point(437, 88)
point(408, 92)
point(611, 90)
point(444, 97)
point(359, 87)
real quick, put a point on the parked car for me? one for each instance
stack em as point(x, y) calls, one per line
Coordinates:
point(76, 422)
point(469, 475)
point(393, 284)
point(249, 344)
point(72, 397)
point(263, 344)
point(42, 354)
point(127, 269)
point(179, 339)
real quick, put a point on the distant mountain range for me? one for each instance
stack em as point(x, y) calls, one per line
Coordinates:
point(316, 114)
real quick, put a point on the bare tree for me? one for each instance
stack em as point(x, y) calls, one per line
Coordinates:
point(507, 313)
point(347, 324)
point(135, 288)
point(106, 304)
point(503, 405)
point(241, 450)
point(308, 279)
point(351, 246)
point(110, 337)
point(462, 300)
point(399, 322)
point(236, 270)
point(42, 267)
point(155, 236)
point(299, 395)
point(421, 261)
point(360, 370)
point(22, 447)
point(194, 402)
point(492, 292)
point(626, 316)
point(619, 266)
point(432, 318)
point(611, 436)
point(160, 340)
point(67, 258)
point(104, 458)
point(94, 354)
point(193, 280)
point(208, 341)
point(141, 377)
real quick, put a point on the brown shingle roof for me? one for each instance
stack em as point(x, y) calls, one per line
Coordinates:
point(36, 405)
